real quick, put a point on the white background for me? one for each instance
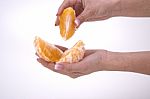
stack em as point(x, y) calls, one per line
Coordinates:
point(22, 77)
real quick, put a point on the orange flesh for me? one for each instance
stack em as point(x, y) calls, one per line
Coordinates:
point(47, 51)
point(67, 25)
point(51, 53)
point(75, 54)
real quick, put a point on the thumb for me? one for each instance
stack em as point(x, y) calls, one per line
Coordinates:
point(71, 67)
point(81, 18)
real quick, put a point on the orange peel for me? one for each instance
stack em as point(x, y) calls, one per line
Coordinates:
point(67, 25)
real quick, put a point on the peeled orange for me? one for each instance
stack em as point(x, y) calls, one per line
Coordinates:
point(67, 25)
point(51, 53)
point(74, 54)
point(47, 51)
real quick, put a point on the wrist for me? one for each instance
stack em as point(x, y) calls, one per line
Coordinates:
point(133, 8)
point(102, 59)
point(115, 61)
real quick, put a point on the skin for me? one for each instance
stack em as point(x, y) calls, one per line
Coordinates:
point(89, 64)
point(138, 62)
point(95, 10)
point(98, 60)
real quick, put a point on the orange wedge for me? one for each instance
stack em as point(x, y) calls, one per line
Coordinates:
point(75, 54)
point(47, 51)
point(67, 25)
point(51, 53)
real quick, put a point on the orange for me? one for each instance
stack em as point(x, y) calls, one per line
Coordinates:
point(51, 53)
point(67, 25)
point(75, 54)
point(46, 51)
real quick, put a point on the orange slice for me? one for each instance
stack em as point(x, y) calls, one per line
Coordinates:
point(67, 25)
point(75, 54)
point(47, 51)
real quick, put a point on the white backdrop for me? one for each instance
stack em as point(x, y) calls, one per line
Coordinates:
point(22, 77)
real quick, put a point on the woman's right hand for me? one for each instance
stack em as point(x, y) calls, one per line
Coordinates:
point(90, 10)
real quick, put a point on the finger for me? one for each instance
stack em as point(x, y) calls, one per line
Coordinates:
point(44, 63)
point(67, 3)
point(61, 47)
point(57, 21)
point(81, 18)
point(36, 54)
point(97, 18)
point(51, 66)
point(70, 67)
point(64, 5)
point(78, 9)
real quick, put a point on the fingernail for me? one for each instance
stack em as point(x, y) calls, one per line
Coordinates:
point(56, 24)
point(58, 66)
point(76, 22)
point(57, 14)
point(38, 59)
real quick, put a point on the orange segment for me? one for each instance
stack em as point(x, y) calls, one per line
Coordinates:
point(51, 53)
point(47, 51)
point(75, 54)
point(67, 25)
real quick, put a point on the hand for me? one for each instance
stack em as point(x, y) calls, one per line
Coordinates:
point(90, 10)
point(91, 62)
